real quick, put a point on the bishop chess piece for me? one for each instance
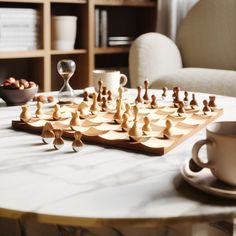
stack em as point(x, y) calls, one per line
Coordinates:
point(77, 143)
point(135, 133)
point(58, 141)
point(118, 115)
point(47, 133)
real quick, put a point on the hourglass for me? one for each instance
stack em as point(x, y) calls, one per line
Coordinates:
point(66, 69)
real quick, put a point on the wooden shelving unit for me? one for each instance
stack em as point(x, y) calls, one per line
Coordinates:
point(40, 65)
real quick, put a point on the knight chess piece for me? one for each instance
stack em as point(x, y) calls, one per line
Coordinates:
point(58, 141)
point(77, 143)
point(104, 104)
point(181, 108)
point(47, 133)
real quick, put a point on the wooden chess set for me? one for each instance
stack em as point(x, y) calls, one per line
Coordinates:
point(144, 123)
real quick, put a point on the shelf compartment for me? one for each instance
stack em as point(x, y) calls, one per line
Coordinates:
point(21, 54)
point(69, 1)
point(23, 1)
point(111, 50)
point(75, 51)
point(133, 3)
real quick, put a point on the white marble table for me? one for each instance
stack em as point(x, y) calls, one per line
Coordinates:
point(98, 185)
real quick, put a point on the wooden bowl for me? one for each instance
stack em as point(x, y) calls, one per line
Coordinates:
point(14, 97)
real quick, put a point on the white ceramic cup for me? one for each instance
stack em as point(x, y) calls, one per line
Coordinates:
point(111, 79)
point(221, 151)
point(64, 32)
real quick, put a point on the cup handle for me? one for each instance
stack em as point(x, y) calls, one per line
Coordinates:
point(123, 80)
point(196, 148)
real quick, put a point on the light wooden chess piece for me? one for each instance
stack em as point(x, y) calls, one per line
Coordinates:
point(94, 107)
point(58, 141)
point(47, 133)
point(39, 109)
point(118, 115)
point(167, 133)
point(125, 125)
point(147, 129)
point(56, 115)
point(128, 110)
point(135, 133)
point(120, 92)
point(77, 143)
point(75, 120)
point(25, 115)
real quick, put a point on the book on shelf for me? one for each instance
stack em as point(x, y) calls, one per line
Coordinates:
point(97, 28)
point(120, 41)
point(103, 28)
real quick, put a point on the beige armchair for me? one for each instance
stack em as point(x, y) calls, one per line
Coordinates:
point(203, 58)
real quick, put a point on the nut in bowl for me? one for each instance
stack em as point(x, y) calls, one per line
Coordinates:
point(17, 92)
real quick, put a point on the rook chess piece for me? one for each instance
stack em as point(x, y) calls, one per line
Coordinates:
point(77, 143)
point(147, 129)
point(167, 131)
point(139, 98)
point(56, 115)
point(39, 110)
point(58, 141)
point(25, 115)
point(47, 133)
point(145, 96)
point(153, 102)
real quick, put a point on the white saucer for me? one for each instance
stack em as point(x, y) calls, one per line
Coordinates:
point(204, 180)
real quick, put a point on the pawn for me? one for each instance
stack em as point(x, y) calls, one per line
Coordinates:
point(104, 104)
point(104, 90)
point(153, 102)
point(25, 115)
point(56, 115)
point(167, 131)
point(47, 133)
point(99, 97)
point(77, 143)
point(121, 91)
point(185, 98)
point(86, 96)
point(39, 110)
point(146, 127)
point(128, 109)
point(206, 107)
point(164, 93)
point(212, 101)
point(125, 125)
point(58, 141)
point(94, 107)
point(139, 98)
point(109, 98)
point(145, 96)
point(181, 109)
point(118, 115)
point(193, 102)
point(75, 120)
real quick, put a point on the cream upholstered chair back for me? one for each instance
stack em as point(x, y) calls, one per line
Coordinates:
point(207, 36)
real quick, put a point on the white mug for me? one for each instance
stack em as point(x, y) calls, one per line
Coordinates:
point(221, 151)
point(112, 79)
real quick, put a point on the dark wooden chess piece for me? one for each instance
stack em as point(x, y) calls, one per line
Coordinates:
point(104, 104)
point(109, 98)
point(104, 90)
point(164, 92)
point(146, 85)
point(206, 107)
point(153, 101)
point(185, 97)
point(139, 98)
point(193, 102)
point(99, 98)
point(86, 96)
point(212, 101)
point(181, 108)
point(176, 98)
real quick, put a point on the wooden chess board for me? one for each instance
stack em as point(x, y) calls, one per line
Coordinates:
point(100, 128)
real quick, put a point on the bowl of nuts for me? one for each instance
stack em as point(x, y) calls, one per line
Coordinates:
point(17, 92)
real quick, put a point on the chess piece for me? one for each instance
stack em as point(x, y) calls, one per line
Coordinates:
point(25, 115)
point(145, 96)
point(99, 97)
point(139, 98)
point(104, 90)
point(153, 102)
point(47, 133)
point(125, 125)
point(83, 109)
point(193, 102)
point(128, 109)
point(212, 101)
point(109, 98)
point(167, 131)
point(39, 110)
point(135, 133)
point(164, 93)
point(185, 98)
point(77, 143)
point(58, 141)
point(104, 104)
point(174, 91)
point(206, 107)
point(75, 120)
point(146, 127)
point(176, 98)
point(118, 115)
point(181, 109)
point(121, 91)
point(56, 115)
point(94, 107)
point(86, 96)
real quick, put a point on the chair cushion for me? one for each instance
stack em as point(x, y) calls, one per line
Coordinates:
point(200, 80)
